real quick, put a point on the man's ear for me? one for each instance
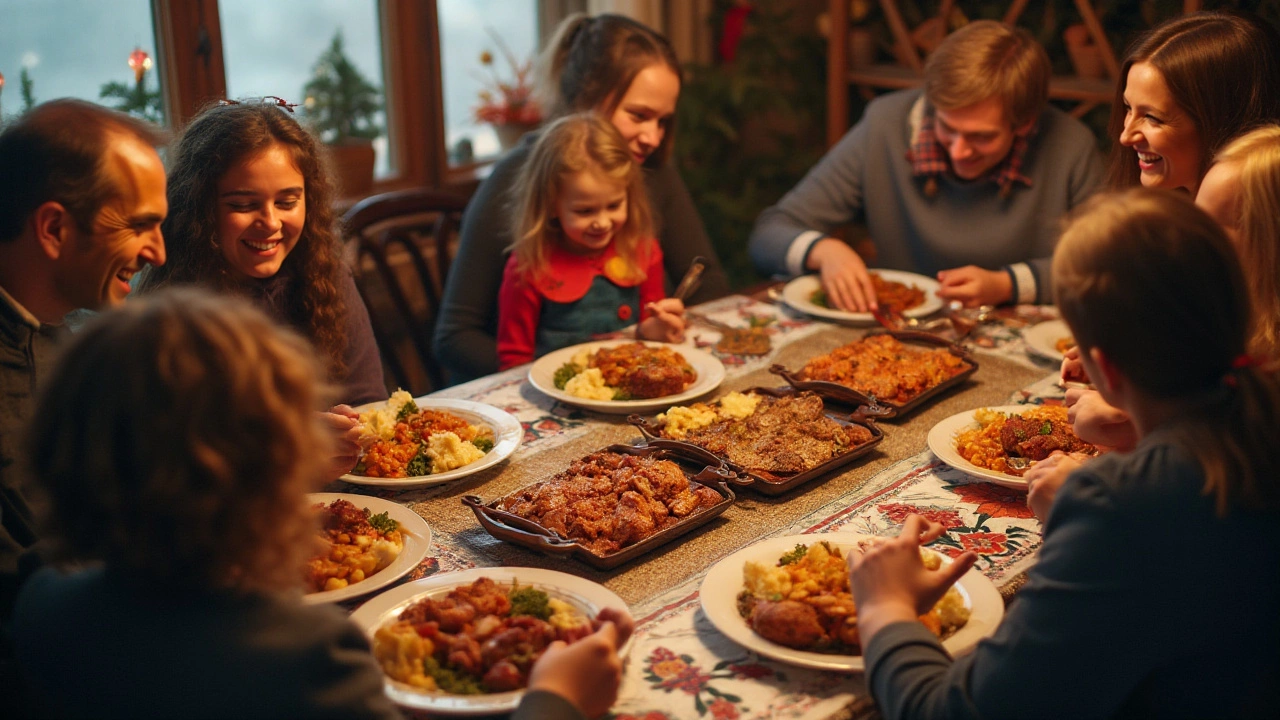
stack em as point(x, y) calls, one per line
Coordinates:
point(53, 225)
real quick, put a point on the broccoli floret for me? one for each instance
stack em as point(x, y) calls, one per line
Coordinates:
point(1046, 428)
point(420, 464)
point(819, 298)
point(565, 374)
point(451, 681)
point(529, 601)
point(382, 522)
point(620, 394)
point(485, 444)
point(406, 410)
point(794, 556)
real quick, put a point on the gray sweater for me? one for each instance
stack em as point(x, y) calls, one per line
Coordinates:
point(466, 332)
point(866, 177)
point(1143, 603)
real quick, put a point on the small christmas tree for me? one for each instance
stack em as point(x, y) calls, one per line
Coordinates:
point(137, 100)
point(340, 102)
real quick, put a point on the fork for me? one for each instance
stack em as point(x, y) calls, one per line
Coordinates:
point(691, 280)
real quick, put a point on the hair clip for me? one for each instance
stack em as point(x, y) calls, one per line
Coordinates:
point(265, 100)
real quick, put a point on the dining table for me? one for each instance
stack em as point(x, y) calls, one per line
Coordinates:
point(679, 665)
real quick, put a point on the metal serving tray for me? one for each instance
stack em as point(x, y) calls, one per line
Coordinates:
point(763, 481)
point(870, 405)
point(517, 530)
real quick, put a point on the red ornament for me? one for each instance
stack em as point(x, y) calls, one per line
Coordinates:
point(624, 312)
point(1, 81)
point(735, 25)
point(140, 61)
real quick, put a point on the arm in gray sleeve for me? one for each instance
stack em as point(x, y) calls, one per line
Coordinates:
point(465, 339)
point(829, 195)
point(682, 234)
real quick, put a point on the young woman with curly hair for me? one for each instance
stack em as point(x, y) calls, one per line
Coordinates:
point(251, 212)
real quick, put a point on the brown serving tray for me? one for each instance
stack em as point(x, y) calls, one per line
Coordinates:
point(521, 531)
point(869, 405)
point(764, 482)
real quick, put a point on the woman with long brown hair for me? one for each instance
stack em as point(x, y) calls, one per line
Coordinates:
point(251, 212)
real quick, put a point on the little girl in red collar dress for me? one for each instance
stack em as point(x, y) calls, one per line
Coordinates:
point(584, 261)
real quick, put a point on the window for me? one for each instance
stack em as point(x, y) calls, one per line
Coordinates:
point(469, 28)
point(80, 48)
point(274, 48)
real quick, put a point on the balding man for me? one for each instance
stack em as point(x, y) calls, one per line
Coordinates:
point(82, 196)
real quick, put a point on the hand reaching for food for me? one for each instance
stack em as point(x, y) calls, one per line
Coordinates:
point(588, 672)
point(344, 423)
point(1045, 477)
point(844, 275)
point(973, 286)
point(1072, 369)
point(890, 582)
point(1096, 421)
point(665, 323)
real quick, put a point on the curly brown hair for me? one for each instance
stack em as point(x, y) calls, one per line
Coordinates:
point(216, 139)
point(190, 466)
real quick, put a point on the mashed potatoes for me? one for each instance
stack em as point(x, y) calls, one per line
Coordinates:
point(682, 420)
point(448, 452)
point(381, 421)
point(589, 384)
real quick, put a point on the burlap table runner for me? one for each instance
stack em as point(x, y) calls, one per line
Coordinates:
point(750, 518)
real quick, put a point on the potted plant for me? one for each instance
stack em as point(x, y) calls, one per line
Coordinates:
point(343, 108)
point(508, 106)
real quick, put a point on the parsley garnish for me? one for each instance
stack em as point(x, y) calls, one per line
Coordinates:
point(382, 522)
point(794, 556)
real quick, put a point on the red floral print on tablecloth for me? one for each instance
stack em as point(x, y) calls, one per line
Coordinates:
point(994, 500)
point(985, 543)
point(651, 715)
point(722, 709)
point(898, 512)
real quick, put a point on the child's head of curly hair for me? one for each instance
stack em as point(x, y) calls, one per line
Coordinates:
point(177, 438)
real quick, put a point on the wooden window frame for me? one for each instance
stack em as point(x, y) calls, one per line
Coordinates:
point(189, 50)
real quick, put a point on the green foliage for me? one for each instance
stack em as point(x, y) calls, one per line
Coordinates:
point(751, 129)
point(28, 92)
point(340, 102)
point(135, 99)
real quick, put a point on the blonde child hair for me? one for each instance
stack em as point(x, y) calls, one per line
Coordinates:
point(576, 143)
point(177, 438)
point(1258, 240)
point(1153, 281)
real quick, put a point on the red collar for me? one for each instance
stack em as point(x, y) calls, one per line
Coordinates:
point(568, 276)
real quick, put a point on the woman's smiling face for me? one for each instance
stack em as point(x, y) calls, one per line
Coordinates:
point(261, 209)
point(1160, 132)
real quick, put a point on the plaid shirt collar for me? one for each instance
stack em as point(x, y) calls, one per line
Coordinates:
point(928, 159)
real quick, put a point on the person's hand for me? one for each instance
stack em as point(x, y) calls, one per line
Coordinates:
point(1045, 477)
point(974, 286)
point(344, 423)
point(890, 582)
point(1072, 369)
point(665, 322)
point(844, 275)
point(588, 672)
point(1096, 421)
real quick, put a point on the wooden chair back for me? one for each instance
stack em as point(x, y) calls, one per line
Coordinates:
point(403, 243)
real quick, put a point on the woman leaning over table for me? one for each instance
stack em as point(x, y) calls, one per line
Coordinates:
point(182, 483)
point(1155, 592)
point(629, 74)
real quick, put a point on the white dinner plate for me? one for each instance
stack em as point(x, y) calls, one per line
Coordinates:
point(942, 441)
point(587, 597)
point(542, 375)
point(1042, 338)
point(720, 588)
point(507, 434)
point(798, 291)
point(417, 544)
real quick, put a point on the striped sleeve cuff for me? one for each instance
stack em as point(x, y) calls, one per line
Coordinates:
point(1024, 283)
point(798, 253)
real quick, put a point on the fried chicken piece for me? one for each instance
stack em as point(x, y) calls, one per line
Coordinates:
point(634, 519)
point(790, 623)
point(651, 381)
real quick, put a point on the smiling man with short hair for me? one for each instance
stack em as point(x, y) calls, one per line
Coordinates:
point(964, 179)
point(82, 195)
